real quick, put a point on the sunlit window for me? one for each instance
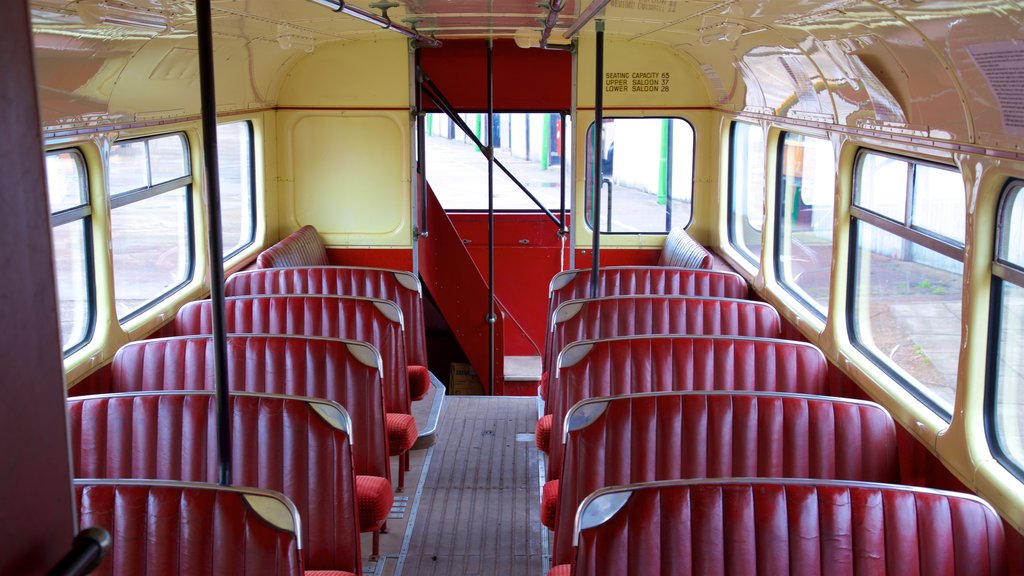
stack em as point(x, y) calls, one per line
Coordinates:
point(646, 175)
point(528, 144)
point(907, 282)
point(68, 192)
point(804, 225)
point(150, 221)
point(237, 189)
point(1005, 413)
point(746, 189)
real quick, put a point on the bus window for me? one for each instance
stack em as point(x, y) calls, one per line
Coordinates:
point(1006, 360)
point(529, 145)
point(237, 186)
point(746, 189)
point(906, 287)
point(646, 175)
point(150, 221)
point(68, 192)
point(806, 197)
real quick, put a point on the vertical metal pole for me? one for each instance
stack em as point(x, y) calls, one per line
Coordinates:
point(491, 318)
point(598, 155)
point(561, 161)
point(668, 178)
point(204, 29)
point(421, 146)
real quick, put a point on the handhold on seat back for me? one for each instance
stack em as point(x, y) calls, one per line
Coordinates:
point(300, 248)
point(160, 528)
point(753, 527)
point(690, 435)
point(172, 436)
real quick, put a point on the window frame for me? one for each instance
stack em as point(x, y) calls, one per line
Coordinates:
point(905, 230)
point(820, 312)
point(82, 213)
point(589, 174)
point(252, 191)
point(731, 232)
point(1002, 272)
point(140, 194)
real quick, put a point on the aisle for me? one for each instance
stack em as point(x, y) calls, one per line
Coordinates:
point(479, 506)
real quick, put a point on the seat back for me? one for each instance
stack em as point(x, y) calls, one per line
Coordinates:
point(300, 248)
point(681, 435)
point(342, 371)
point(683, 251)
point(160, 528)
point(402, 288)
point(297, 446)
point(631, 365)
point(642, 280)
point(689, 528)
point(371, 320)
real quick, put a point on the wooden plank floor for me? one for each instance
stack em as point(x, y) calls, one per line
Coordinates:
point(479, 509)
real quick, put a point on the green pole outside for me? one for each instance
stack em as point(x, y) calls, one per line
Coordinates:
point(545, 144)
point(663, 164)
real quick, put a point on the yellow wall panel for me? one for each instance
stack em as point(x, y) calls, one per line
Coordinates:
point(351, 74)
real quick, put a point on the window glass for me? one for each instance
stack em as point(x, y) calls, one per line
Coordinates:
point(151, 231)
point(882, 185)
point(167, 159)
point(65, 180)
point(237, 192)
point(906, 304)
point(806, 198)
point(746, 189)
point(69, 197)
point(129, 167)
point(938, 194)
point(647, 175)
point(1006, 366)
point(528, 144)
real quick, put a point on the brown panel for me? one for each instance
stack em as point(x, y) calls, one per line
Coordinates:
point(36, 518)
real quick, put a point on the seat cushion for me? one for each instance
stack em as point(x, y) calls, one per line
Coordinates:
point(683, 251)
point(300, 248)
point(560, 570)
point(374, 498)
point(419, 382)
point(340, 573)
point(544, 386)
point(542, 433)
point(401, 432)
point(548, 504)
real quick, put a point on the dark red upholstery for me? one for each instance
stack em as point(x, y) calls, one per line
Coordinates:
point(278, 443)
point(607, 317)
point(613, 367)
point(402, 288)
point(375, 321)
point(680, 435)
point(300, 248)
point(637, 280)
point(682, 250)
point(791, 527)
point(343, 371)
point(188, 528)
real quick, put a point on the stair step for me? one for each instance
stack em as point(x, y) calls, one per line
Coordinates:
point(522, 368)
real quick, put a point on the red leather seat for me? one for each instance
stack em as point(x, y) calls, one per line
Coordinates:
point(160, 528)
point(343, 371)
point(680, 435)
point(377, 322)
point(300, 248)
point(297, 446)
point(691, 528)
point(630, 365)
point(610, 316)
point(641, 280)
point(402, 288)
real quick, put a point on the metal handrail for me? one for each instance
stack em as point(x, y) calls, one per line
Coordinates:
point(88, 549)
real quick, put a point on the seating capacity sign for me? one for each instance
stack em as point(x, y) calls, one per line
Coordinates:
point(636, 82)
